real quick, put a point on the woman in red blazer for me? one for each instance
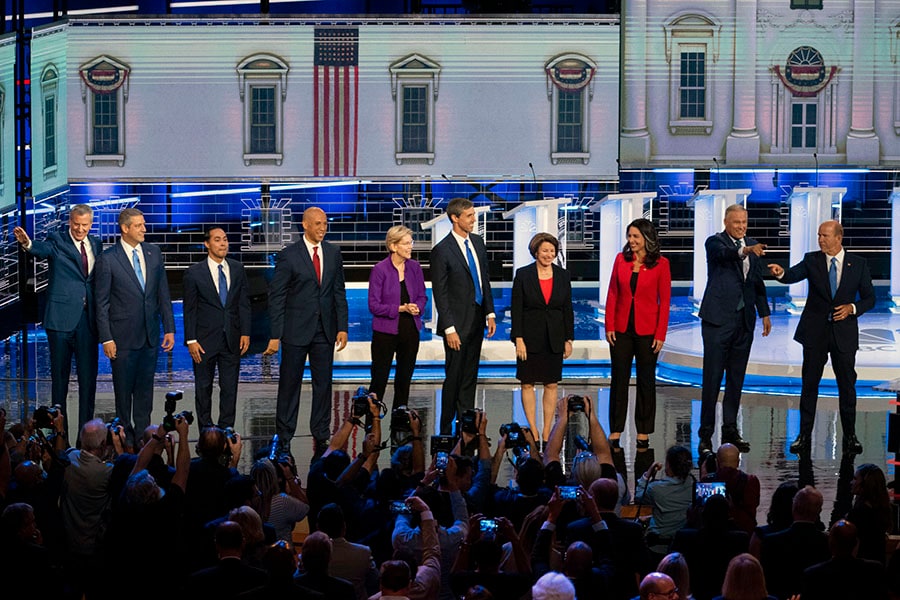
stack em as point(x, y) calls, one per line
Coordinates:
point(637, 316)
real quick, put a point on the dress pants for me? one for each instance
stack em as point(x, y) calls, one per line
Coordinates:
point(133, 371)
point(81, 343)
point(405, 344)
point(844, 366)
point(290, 377)
point(630, 346)
point(229, 366)
point(726, 350)
point(461, 375)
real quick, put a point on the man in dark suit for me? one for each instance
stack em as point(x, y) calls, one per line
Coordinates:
point(845, 576)
point(308, 311)
point(462, 296)
point(69, 314)
point(132, 300)
point(735, 293)
point(216, 326)
point(840, 290)
point(230, 577)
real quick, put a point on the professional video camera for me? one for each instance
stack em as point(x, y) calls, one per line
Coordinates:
point(170, 418)
point(576, 404)
point(515, 441)
point(43, 416)
point(401, 421)
point(468, 423)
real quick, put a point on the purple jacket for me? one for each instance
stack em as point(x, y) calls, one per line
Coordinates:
point(384, 294)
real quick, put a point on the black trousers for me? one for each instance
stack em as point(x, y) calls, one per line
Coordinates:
point(81, 343)
point(290, 377)
point(461, 375)
point(844, 366)
point(229, 365)
point(405, 344)
point(133, 371)
point(630, 346)
point(726, 350)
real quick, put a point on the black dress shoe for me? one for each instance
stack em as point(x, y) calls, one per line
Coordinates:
point(800, 444)
point(704, 447)
point(737, 441)
point(852, 445)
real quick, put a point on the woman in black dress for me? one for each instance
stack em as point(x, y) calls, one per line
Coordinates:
point(543, 327)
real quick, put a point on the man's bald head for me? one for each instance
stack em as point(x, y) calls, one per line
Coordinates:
point(606, 494)
point(656, 583)
point(728, 456)
point(579, 559)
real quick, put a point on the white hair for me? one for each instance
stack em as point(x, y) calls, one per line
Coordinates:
point(553, 586)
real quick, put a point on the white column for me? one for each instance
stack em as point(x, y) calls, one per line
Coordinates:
point(742, 145)
point(635, 138)
point(862, 143)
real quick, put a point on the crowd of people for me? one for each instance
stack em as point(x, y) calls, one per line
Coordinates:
point(91, 521)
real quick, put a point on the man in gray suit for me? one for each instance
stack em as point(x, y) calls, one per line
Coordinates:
point(69, 314)
point(349, 561)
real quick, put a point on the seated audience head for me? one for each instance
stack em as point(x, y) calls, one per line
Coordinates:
point(530, 476)
point(728, 456)
point(251, 524)
point(553, 586)
point(265, 476)
point(487, 554)
point(656, 586)
point(478, 592)
point(586, 469)
point(401, 460)
point(679, 462)
point(779, 514)
point(229, 539)
point(141, 489)
point(28, 474)
point(212, 443)
point(395, 578)
point(605, 493)
point(17, 524)
point(330, 521)
point(579, 559)
point(807, 505)
point(316, 553)
point(714, 516)
point(843, 539)
point(279, 561)
point(93, 436)
point(239, 490)
point(744, 579)
point(675, 566)
point(334, 464)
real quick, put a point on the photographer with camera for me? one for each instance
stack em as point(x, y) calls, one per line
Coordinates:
point(741, 489)
point(282, 501)
point(479, 560)
point(425, 564)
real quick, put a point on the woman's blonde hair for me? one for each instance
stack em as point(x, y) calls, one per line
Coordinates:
point(395, 234)
point(744, 579)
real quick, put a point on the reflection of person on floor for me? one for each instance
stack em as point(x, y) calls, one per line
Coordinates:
point(735, 293)
point(542, 327)
point(461, 289)
point(308, 311)
point(637, 317)
point(216, 326)
point(840, 290)
point(69, 314)
point(396, 301)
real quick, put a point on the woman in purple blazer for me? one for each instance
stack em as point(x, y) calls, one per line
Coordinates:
point(396, 301)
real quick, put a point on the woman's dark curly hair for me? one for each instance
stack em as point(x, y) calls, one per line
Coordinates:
point(651, 242)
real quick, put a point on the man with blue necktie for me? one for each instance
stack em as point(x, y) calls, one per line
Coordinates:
point(840, 290)
point(462, 296)
point(69, 314)
point(216, 326)
point(132, 301)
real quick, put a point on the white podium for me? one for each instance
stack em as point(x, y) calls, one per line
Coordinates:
point(809, 208)
point(616, 212)
point(709, 219)
point(533, 217)
point(440, 227)
point(895, 247)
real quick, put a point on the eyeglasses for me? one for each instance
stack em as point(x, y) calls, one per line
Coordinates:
point(673, 593)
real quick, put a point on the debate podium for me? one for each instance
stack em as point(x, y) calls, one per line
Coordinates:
point(532, 217)
point(709, 219)
point(810, 206)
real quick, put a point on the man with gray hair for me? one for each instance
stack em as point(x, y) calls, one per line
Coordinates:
point(132, 301)
point(69, 313)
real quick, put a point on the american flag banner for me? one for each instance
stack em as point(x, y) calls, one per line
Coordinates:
point(335, 87)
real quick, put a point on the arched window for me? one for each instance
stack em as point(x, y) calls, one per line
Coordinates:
point(263, 88)
point(570, 89)
point(104, 90)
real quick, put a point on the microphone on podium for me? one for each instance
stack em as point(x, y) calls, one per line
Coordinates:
point(447, 179)
point(816, 158)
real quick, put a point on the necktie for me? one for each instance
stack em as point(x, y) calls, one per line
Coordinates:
point(832, 276)
point(317, 264)
point(223, 285)
point(84, 260)
point(744, 265)
point(473, 270)
point(137, 267)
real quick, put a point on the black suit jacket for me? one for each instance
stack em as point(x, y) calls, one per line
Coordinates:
point(228, 578)
point(126, 314)
point(69, 292)
point(725, 283)
point(453, 289)
point(845, 578)
point(785, 554)
point(627, 550)
point(205, 317)
point(297, 300)
point(855, 287)
point(536, 321)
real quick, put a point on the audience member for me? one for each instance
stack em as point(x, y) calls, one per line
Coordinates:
point(280, 562)
point(479, 560)
point(230, 576)
point(778, 517)
point(553, 586)
point(670, 497)
point(255, 543)
point(845, 575)
point(26, 561)
point(314, 561)
point(741, 488)
point(282, 501)
point(744, 580)
point(349, 561)
point(871, 511)
point(426, 571)
point(657, 585)
point(675, 566)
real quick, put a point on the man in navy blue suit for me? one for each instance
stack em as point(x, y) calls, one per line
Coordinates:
point(69, 314)
point(840, 290)
point(462, 296)
point(132, 300)
point(308, 312)
point(216, 326)
point(735, 293)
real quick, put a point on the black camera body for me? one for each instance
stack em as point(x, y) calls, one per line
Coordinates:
point(168, 422)
point(442, 443)
point(43, 416)
point(400, 420)
point(361, 402)
point(515, 438)
point(468, 423)
point(576, 404)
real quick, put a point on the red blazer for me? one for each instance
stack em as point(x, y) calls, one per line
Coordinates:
point(651, 302)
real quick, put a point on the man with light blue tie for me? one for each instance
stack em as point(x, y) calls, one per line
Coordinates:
point(132, 301)
point(216, 326)
point(462, 296)
point(840, 290)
